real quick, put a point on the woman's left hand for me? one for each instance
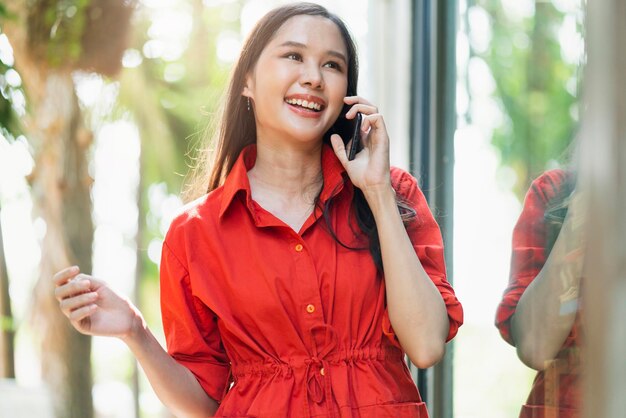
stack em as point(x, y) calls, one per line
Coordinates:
point(369, 171)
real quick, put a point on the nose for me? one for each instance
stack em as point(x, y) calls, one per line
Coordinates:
point(311, 76)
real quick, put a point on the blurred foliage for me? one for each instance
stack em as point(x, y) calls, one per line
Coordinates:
point(55, 29)
point(172, 98)
point(76, 34)
point(536, 87)
point(65, 34)
point(9, 120)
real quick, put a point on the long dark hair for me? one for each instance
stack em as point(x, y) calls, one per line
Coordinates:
point(237, 127)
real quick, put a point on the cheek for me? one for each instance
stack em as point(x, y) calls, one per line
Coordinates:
point(338, 87)
point(339, 92)
point(337, 111)
point(273, 85)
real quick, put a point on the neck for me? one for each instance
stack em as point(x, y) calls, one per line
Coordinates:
point(288, 171)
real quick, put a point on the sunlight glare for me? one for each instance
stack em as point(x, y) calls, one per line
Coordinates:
point(479, 29)
point(6, 51)
point(132, 58)
point(517, 10)
point(228, 46)
point(571, 40)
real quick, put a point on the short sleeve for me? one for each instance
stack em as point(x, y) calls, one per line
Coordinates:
point(190, 327)
point(528, 254)
point(426, 238)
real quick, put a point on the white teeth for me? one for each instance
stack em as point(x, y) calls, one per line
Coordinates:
point(305, 103)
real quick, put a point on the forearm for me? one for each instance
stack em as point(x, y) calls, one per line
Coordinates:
point(173, 383)
point(416, 309)
point(547, 309)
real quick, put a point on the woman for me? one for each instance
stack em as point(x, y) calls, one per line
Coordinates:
point(272, 306)
point(539, 313)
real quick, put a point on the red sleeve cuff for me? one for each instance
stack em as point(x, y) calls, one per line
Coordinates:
point(213, 377)
point(455, 317)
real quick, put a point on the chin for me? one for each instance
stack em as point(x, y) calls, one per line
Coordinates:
point(309, 141)
point(307, 135)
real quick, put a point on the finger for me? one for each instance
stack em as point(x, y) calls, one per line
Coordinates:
point(339, 148)
point(355, 100)
point(64, 275)
point(359, 104)
point(71, 304)
point(82, 313)
point(74, 287)
point(361, 108)
point(374, 121)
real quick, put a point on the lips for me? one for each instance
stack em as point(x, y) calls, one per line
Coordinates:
point(306, 102)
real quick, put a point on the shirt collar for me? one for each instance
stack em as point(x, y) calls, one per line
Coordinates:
point(237, 180)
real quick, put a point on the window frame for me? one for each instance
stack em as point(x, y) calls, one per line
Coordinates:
point(432, 127)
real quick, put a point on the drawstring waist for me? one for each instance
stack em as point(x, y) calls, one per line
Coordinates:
point(294, 364)
point(316, 367)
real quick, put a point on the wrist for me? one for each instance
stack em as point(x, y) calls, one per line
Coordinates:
point(137, 330)
point(379, 197)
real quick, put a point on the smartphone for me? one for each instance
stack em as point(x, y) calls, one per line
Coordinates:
point(356, 137)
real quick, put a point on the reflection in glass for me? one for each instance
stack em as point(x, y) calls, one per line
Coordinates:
point(519, 70)
point(539, 312)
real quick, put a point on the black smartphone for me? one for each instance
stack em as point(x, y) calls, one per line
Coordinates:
point(356, 137)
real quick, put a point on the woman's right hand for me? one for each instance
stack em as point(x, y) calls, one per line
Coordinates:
point(93, 307)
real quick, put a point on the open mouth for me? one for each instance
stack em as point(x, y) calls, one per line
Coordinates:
point(307, 105)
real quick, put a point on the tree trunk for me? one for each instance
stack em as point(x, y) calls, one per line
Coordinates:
point(7, 329)
point(61, 189)
point(60, 186)
point(61, 182)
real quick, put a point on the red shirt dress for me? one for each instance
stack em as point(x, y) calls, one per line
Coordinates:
point(277, 323)
point(556, 390)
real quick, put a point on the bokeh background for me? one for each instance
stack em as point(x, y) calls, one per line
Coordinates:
point(105, 104)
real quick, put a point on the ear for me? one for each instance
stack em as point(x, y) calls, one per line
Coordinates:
point(248, 87)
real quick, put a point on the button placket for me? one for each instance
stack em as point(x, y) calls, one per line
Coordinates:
point(310, 298)
point(310, 308)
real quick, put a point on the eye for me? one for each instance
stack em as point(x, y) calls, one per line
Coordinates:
point(293, 56)
point(333, 65)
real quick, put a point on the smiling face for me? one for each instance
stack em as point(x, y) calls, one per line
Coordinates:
point(299, 81)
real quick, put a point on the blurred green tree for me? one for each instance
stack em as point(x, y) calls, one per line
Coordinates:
point(7, 328)
point(172, 99)
point(537, 88)
point(10, 128)
point(173, 102)
point(51, 39)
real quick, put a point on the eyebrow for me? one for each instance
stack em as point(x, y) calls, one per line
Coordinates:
point(301, 45)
